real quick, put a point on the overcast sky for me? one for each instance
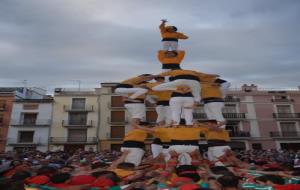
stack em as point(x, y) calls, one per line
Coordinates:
point(53, 43)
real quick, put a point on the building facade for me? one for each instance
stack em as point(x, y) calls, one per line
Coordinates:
point(75, 120)
point(256, 118)
point(30, 124)
point(6, 105)
point(271, 117)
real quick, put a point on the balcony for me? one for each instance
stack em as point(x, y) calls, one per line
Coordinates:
point(288, 134)
point(286, 116)
point(234, 116)
point(232, 99)
point(120, 122)
point(24, 142)
point(282, 100)
point(87, 108)
point(31, 123)
point(77, 123)
point(227, 116)
point(200, 116)
point(73, 140)
point(239, 134)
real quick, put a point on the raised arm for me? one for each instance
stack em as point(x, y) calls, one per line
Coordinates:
point(162, 26)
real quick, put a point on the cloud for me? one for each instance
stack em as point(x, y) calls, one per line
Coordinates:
point(56, 42)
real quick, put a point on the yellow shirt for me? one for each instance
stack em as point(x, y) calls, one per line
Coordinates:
point(166, 34)
point(186, 133)
point(217, 135)
point(210, 90)
point(171, 60)
point(178, 72)
point(164, 134)
point(136, 135)
point(134, 80)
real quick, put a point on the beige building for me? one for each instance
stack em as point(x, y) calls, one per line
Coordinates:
point(114, 118)
point(75, 120)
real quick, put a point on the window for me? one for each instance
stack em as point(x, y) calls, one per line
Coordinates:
point(199, 109)
point(117, 131)
point(233, 128)
point(117, 101)
point(30, 106)
point(151, 116)
point(283, 108)
point(2, 104)
point(116, 147)
point(1, 119)
point(29, 118)
point(288, 128)
point(256, 146)
point(77, 135)
point(281, 97)
point(77, 118)
point(117, 116)
point(229, 108)
point(78, 103)
point(26, 136)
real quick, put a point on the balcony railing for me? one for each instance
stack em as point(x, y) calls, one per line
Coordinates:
point(31, 123)
point(199, 116)
point(232, 99)
point(228, 116)
point(240, 134)
point(15, 141)
point(86, 108)
point(77, 123)
point(283, 134)
point(74, 140)
point(234, 116)
point(286, 115)
point(281, 100)
point(113, 122)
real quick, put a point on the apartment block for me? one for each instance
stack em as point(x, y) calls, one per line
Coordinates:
point(75, 120)
point(256, 118)
point(30, 124)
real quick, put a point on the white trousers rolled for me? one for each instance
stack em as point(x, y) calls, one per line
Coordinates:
point(136, 110)
point(215, 152)
point(163, 114)
point(170, 45)
point(156, 150)
point(192, 84)
point(136, 92)
point(213, 111)
point(179, 105)
point(135, 155)
point(179, 149)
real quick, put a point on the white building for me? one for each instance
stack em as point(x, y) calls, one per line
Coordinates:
point(30, 122)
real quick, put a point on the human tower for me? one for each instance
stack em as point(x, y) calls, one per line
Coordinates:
point(175, 92)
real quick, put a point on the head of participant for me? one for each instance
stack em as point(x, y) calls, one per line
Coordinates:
point(171, 29)
point(146, 77)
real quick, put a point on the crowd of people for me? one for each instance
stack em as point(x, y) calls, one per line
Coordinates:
point(89, 170)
